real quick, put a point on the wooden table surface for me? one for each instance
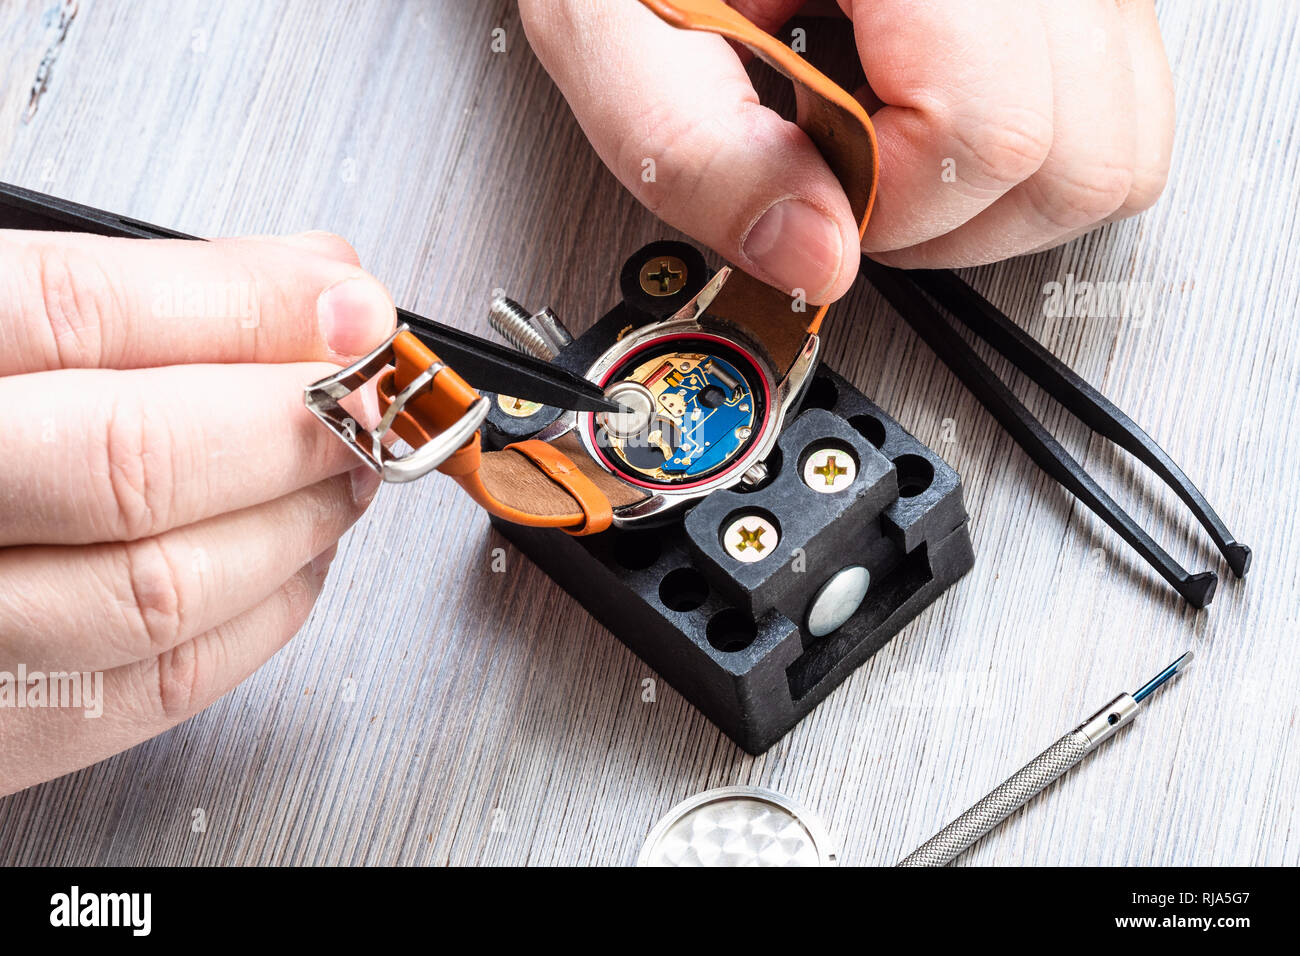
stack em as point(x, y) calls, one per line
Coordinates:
point(434, 712)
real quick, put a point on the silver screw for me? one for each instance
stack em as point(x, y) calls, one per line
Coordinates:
point(750, 538)
point(549, 326)
point(828, 470)
point(513, 323)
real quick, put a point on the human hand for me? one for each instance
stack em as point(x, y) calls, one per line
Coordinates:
point(168, 506)
point(1004, 127)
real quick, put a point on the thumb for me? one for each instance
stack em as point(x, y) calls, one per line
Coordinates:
point(673, 115)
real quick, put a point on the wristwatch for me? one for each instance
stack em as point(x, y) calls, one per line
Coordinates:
point(705, 392)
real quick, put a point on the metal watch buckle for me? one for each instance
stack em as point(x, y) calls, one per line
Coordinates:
point(323, 398)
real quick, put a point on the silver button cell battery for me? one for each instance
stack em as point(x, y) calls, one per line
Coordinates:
point(638, 404)
point(738, 826)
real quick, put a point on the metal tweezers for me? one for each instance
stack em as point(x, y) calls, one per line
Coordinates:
point(910, 292)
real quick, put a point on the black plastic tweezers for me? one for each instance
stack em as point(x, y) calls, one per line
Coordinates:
point(910, 293)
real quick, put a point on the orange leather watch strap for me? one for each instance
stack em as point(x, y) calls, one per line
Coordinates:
point(597, 511)
point(529, 483)
point(436, 409)
point(842, 131)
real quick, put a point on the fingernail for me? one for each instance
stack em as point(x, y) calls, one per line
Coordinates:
point(355, 315)
point(370, 406)
point(365, 482)
point(797, 247)
point(321, 563)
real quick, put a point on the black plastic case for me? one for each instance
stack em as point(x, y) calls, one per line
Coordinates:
point(732, 637)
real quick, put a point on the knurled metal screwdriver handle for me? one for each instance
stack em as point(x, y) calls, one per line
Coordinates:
point(1028, 781)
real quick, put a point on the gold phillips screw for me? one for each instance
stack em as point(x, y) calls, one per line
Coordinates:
point(750, 538)
point(663, 275)
point(829, 470)
point(517, 407)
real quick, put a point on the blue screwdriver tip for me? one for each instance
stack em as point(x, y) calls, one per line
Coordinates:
point(1147, 689)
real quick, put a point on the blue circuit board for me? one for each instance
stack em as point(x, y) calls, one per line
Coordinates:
point(704, 414)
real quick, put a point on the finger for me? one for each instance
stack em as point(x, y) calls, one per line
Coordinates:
point(673, 114)
point(968, 114)
point(1153, 105)
point(143, 699)
point(768, 15)
point(80, 301)
point(1153, 98)
point(136, 600)
point(1088, 172)
point(123, 455)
